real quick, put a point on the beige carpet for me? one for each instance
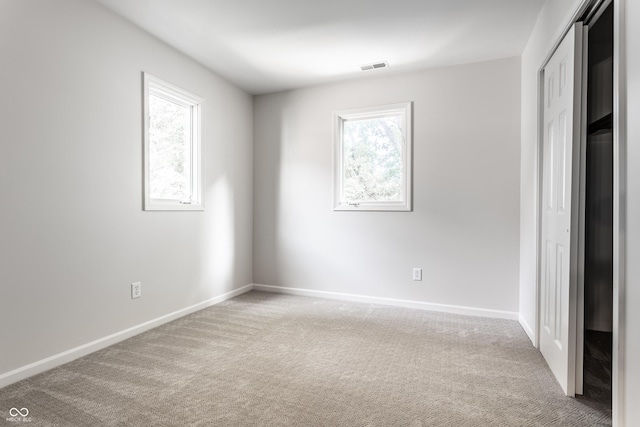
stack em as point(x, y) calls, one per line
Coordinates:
point(278, 360)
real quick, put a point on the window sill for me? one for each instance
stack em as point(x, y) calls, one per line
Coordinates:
point(173, 206)
point(374, 207)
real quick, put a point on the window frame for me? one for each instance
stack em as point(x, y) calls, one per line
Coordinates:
point(404, 109)
point(158, 87)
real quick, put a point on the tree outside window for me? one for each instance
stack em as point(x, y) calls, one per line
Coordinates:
point(373, 153)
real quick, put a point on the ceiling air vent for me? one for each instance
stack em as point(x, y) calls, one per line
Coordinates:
point(374, 66)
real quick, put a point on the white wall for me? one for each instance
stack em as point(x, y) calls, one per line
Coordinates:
point(73, 235)
point(555, 15)
point(463, 231)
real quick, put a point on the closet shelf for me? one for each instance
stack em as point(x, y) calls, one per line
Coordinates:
point(601, 125)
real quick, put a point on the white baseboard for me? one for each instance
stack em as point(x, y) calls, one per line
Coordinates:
point(454, 309)
point(77, 352)
point(527, 329)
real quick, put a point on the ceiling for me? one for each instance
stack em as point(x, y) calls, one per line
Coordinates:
point(268, 46)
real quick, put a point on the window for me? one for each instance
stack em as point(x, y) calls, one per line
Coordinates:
point(372, 164)
point(172, 147)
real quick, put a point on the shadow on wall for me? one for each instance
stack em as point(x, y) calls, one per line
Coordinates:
point(267, 197)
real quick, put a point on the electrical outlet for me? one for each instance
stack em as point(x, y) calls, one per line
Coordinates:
point(417, 274)
point(136, 290)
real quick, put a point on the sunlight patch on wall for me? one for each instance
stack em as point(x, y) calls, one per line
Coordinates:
point(219, 241)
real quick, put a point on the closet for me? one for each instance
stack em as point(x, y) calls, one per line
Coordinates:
point(598, 209)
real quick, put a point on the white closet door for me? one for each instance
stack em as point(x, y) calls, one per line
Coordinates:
point(560, 193)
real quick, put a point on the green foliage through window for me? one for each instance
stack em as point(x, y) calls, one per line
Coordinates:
point(373, 159)
point(169, 146)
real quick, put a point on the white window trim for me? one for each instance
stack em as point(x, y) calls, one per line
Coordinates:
point(158, 87)
point(339, 202)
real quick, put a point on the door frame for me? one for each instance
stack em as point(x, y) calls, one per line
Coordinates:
point(619, 194)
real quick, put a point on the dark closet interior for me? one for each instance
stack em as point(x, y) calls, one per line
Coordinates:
point(598, 256)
